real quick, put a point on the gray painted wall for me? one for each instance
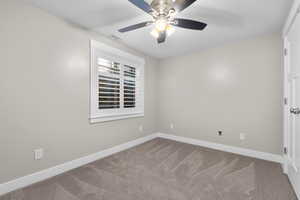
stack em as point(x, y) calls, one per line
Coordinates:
point(235, 88)
point(44, 93)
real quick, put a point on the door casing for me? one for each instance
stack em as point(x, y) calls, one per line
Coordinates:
point(286, 93)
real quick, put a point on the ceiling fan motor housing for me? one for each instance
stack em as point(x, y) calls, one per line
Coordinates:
point(163, 7)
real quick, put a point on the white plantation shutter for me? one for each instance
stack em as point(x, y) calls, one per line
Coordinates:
point(129, 86)
point(117, 84)
point(109, 84)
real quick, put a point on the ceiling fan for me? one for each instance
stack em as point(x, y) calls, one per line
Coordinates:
point(163, 13)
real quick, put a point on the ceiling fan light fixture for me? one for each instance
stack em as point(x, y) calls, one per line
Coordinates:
point(170, 30)
point(161, 24)
point(155, 33)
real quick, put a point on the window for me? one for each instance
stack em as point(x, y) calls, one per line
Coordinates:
point(117, 84)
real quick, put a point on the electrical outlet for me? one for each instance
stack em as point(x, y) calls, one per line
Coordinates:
point(242, 136)
point(38, 154)
point(220, 133)
point(171, 126)
point(141, 128)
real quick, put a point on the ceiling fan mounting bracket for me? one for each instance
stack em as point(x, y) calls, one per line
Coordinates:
point(162, 6)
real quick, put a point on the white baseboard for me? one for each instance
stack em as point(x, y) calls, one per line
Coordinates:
point(294, 184)
point(289, 165)
point(59, 169)
point(226, 148)
point(284, 165)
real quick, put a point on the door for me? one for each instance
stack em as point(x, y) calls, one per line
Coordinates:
point(292, 60)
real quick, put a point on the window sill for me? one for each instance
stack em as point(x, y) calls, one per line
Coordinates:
point(114, 118)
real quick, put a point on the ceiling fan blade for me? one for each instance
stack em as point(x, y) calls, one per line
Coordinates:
point(134, 27)
point(180, 5)
point(162, 37)
point(142, 5)
point(189, 24)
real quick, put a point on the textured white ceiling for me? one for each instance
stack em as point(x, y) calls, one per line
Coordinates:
point(227, 20)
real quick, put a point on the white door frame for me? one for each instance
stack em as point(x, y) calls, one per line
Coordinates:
point(290, 20)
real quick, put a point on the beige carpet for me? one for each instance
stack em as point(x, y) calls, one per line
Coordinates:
point(166, 170)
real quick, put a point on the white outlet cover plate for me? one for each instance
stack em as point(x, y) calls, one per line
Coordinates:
point(242, 136)
point(141, 128)
point(38, 154)
point(172, 126)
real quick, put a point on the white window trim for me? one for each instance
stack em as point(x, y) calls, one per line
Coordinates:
point(120, 56)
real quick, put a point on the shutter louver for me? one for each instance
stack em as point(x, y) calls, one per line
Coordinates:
point(109, 84)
